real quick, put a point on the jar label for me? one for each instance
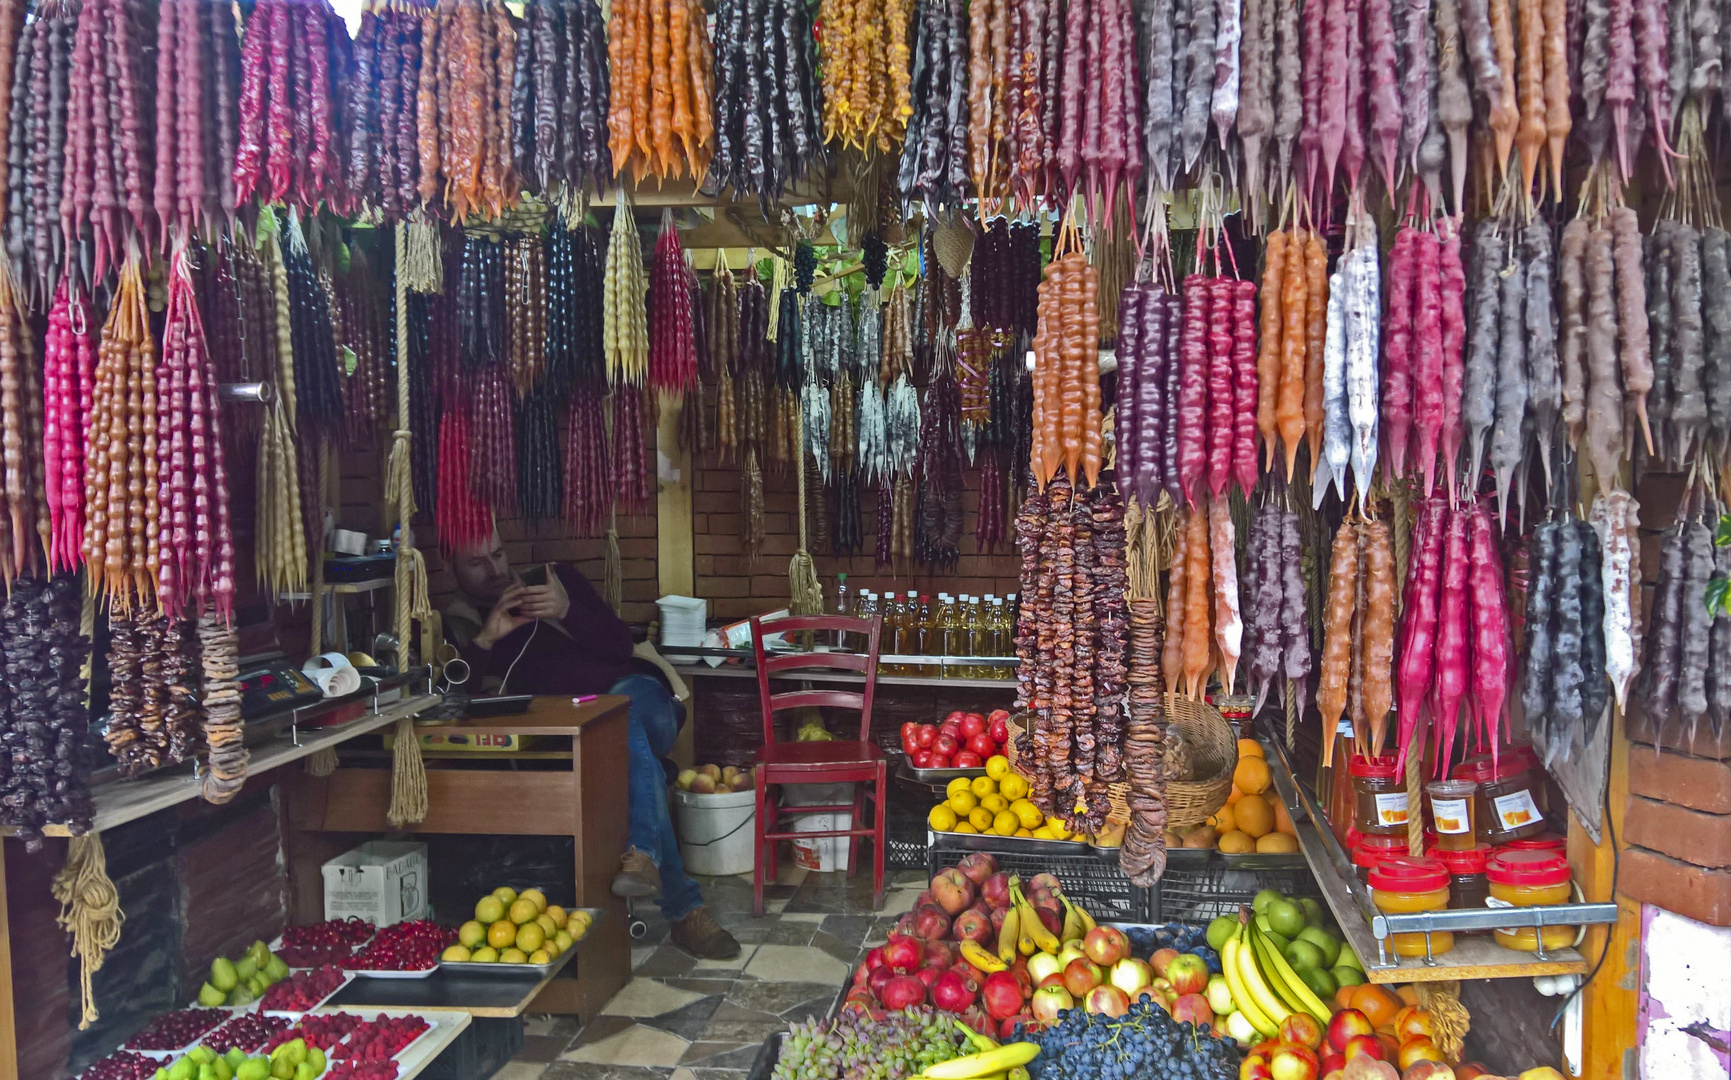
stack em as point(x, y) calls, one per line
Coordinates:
point(1451, 816)
point(1515, 810)
point(1497, 902)
point(1391, 809)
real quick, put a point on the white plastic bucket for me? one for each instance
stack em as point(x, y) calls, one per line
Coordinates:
point(715, 831)
point(823, 854)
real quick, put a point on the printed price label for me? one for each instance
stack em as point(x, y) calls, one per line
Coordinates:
point(1451, 816)
point(1515, 810)
point(1391, 809)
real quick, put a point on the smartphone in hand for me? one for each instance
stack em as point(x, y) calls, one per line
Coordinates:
point(535, 575)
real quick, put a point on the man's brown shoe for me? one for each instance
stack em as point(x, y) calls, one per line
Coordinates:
point(701, 936)
point(637, 878)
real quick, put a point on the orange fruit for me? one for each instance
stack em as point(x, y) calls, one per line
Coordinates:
point(1236, 843)
point(1282, 820)
point(1234, 796)
point(1378, 1005)
point(1250, 748)
point(1251, 775)
point(502, 933)
point(1343, 997)
point(1255, 817)
point(1225, 819)
point(1276, 843)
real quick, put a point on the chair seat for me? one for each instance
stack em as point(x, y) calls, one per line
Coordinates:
point(793, 757)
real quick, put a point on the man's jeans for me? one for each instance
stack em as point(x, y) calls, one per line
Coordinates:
point(654, 724)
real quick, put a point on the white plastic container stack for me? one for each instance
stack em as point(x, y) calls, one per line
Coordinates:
point(683, 620)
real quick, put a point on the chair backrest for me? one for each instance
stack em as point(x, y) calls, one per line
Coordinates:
point(776, 665)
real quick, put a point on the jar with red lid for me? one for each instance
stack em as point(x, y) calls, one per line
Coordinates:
point(1468, 886)
point(1505, 808)
point(1549, 841)
point(1530, 879)
point(1372, 850)
point(1379, 802)
point(1406, 884)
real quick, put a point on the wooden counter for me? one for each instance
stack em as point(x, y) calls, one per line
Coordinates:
point(487, 795)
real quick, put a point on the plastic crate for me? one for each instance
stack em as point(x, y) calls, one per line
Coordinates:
point(1199, 885)
point(1090, 876)
point(767, 1054)
point(482, 1049)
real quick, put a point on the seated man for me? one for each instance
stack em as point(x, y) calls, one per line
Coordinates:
point(560, 637)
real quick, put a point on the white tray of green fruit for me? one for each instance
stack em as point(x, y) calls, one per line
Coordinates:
point(239, 983)
point(509, 931)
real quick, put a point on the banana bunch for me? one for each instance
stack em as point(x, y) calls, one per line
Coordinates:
point(990, 1060)
point(1263, 984)
point(1024, 934)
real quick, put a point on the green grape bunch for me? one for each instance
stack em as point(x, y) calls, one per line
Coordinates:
point(855, 1046)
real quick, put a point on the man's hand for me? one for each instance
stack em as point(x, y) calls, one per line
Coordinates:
point(507, 615)
point(548, 601)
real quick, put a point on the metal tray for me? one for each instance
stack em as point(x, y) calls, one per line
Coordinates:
point(364, 973)
point(348, 977)
point(1022, 845)
point(472, 968)
point(934, 777)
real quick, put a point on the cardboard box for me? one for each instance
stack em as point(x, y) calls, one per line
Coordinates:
point(382, 881)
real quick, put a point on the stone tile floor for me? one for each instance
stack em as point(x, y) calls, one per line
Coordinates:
point(680, 1018)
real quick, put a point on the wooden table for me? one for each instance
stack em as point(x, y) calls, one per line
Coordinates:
point(588, 802)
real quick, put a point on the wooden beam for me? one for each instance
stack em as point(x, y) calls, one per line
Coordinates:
point(1610, 1002)
point(673, 542)
point(8, 1032)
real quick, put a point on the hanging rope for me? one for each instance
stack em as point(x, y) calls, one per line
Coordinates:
point(805, 596)
point(408, 771)
point(612, 568)
point(1415, 793)
point(1291, 712)
point(89, 911)
point(422, 265)
point(1449, 1019)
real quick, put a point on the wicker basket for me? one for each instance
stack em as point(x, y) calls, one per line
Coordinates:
point(1214, 755)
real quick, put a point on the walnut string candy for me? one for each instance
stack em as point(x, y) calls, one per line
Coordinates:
point(43, 760)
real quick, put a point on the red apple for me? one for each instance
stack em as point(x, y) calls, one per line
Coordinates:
point(1002, 994)
point(1301, 1028)
point(1106, 945)
point(1188, 974)
point(955, 716)
point(1132, 976)
point(977, 867)
point(1163, 992)
point(1254, 1067)
point(998, 726)
point(1049, 1001)
point(1428, 1070)
point(970, 925)
point(951, 727)
point(940, 955)
point(1368, 1068)
point(1161, 960)
point(1194, 1008)
point(1293, 1062)
point(1042, 964)
point(1108, 1001)
point(1363, 1046)
point(1419, 1048)
point(926, 736)
point(1056, 978)
point(1333, 1062)
point(982, 744)
point(1346, 1024)
point(931, 922)
point(967, 759)
point(1081, 976)
point(1470, 1070)
point(995, 890)
point(910, 730)
point(946, 745)
point(953, 891)
point(973, 724)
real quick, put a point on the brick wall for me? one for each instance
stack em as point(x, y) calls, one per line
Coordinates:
point(738, 587)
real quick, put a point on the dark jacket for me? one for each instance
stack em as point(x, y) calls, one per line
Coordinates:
point(584, 653)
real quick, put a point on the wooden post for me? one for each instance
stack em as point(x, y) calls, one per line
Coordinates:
point(8, 1032)
point(673, 545)
point(1610, 1002)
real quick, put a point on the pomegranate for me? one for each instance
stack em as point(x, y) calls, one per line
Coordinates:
point(874, 959)
point(939, 956)
point(1002, 994)
point(953, 992)
point(929, 976)
point(970, 925)
point(931, 922)
point(952, 890)
point(861, 975)
point(978, 866)
point(970, 971)
point(905, 925)
point(901, 992)
point(903, 953)
point(995, 890)
point(879, 978)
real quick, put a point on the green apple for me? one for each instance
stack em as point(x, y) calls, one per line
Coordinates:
point(210, 997)
point(1321, 983)
point(1281, 941)
point(1347, 976)
point(1263, 899)
point(1324, 941)
point(1302, 954)
point(1350, 959)
point(1312, 910)
point(1223, 927)
point(1285, 918)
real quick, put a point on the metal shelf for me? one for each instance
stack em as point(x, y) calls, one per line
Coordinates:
point(1367, 930)
point(958, 682)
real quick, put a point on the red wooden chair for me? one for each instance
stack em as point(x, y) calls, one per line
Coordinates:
point(836, 762)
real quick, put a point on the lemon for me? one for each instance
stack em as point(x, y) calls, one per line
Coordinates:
point(965, 828)
point(1027, 813)
point(564, 940)
point(490, 910)
point(536, 897)
point(530, 936)
point(540, 956)
point(1006, 823)
point(506, 895)
point(513, 956)
point(996, 803)
point(942, 818)
point(980, 818)
point(983, 786)
point(1013, 787)
point(486, 954)
point(1057, 828)
point(580, 918)
point(456, 953)
point(501, 933)
point(471, 934)
point(522, 911)
point(998, 767)
point(547, 925)
point(960, 783)
point(557, 914)
point(553, 948)
point(963, 803)
point(1024, 832)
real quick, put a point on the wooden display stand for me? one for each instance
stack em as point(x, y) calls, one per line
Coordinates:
point(588, 802)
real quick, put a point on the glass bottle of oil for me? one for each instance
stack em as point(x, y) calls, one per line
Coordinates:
point(1003, 639)
point(889, 639)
